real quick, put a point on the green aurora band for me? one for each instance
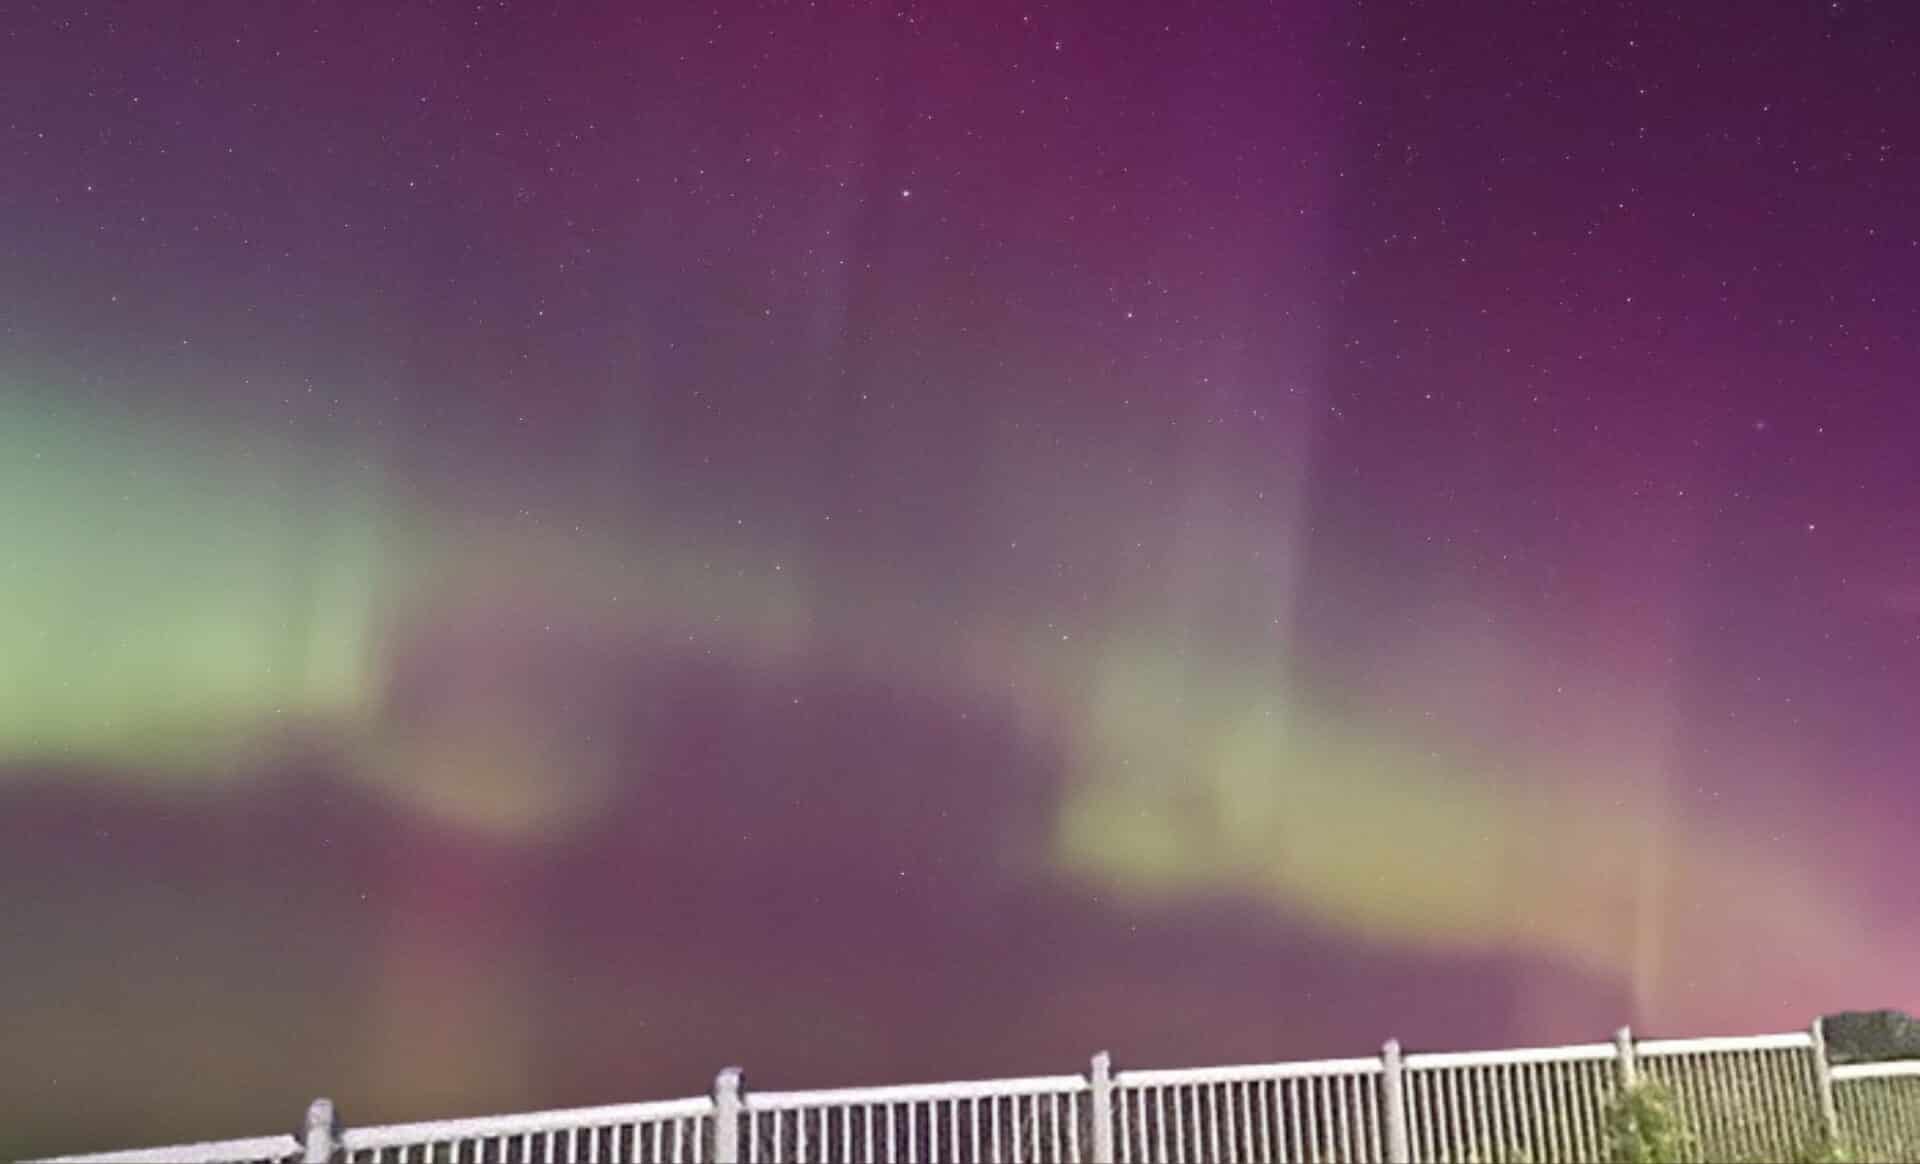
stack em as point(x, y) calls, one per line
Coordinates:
point(178, 606)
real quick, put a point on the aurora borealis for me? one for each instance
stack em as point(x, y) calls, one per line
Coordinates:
point(548, 552)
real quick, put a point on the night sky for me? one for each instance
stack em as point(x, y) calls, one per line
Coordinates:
point(549, 549)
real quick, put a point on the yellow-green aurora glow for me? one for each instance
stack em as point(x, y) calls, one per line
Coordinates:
point(176, 615)
point(168, 597)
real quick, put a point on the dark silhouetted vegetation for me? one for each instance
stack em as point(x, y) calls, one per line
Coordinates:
point(1871, 1036)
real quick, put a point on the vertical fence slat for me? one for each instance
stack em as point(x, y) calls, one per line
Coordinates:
point(1487, 1104)
point(1288, 1121)
point(1692, 1101)
point(1556, 1101)
point(1240, 1100)
point(1322, 1121)
point(1521, 1131)
point(1309, 1122)
point(1751, 1117)
point(1259, 1139)
point(993, 1131)
point(1467, 1147)
point(1053, 1107)
point(1262, 1142)
point(1203, 1101)
point(1722, 1103)
point(1777, 1110)
point(1596, 1085)
point(1774, 1108)
point(1499, 1112)
point(1173, 1100)
point(1326, 1134)
point(1788, 1116)
point(1159, 1128)
point(1556, 1092)
point(1073, 1128)
point(1336, 1093)
point(1419, 1114)
point(1529, 1081)
point(1480, 1114)
point(1724, 1073)
point(1693, 1082)
point(1573, 1086)
point(1469, 1144)
point(1376, 1148)
point(1784, 1116)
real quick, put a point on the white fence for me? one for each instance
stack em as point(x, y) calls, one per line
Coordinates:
point(1754, 1098)
point(677, 1130)
point(1879, 1109)
point(1325, 1111)
point(1031, 1121)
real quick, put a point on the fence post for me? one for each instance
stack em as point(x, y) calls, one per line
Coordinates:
point(1394, 1094)
point(1823, 1082)
point(320, 1141)
point(1101, 1142)
point(726, 1117)
point(1629, 1062)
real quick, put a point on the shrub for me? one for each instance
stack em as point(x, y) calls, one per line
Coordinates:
point(1822, 1149)
point(1817, 1150)
point(1644, 1128)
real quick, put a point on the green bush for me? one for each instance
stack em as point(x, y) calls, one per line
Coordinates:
point(1644, 1128)
point(1817, 1150)
point(1822, 1149)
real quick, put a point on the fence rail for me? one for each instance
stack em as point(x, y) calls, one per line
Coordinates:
point(1749, 1098)
point(254, 1150)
